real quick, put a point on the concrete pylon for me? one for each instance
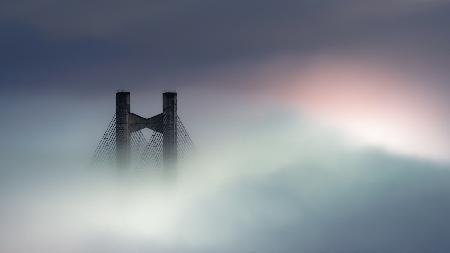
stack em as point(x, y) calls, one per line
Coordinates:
point(170, 129)
point(128, 122)
point(123, 134)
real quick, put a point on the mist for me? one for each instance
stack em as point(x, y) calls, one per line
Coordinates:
point(280, 184)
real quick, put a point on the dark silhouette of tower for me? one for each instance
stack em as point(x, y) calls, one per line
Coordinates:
point(170, 129)
point(128, 122)
point(123, 134)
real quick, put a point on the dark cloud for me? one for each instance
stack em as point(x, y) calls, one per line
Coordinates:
point(77, 43)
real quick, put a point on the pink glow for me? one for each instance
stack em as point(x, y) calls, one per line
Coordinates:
point(374, 103)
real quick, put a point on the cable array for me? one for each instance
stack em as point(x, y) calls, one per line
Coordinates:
point(152, 153)
point(106, 148)
point(184, 141)
point(145, 152)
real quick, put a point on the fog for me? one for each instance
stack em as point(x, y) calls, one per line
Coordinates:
point(289, 186)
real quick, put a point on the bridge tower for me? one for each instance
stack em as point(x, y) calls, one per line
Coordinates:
point(164, 123)
point(123, 134)
point(170, 149)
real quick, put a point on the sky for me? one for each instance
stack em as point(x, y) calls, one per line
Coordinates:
point(321, 121)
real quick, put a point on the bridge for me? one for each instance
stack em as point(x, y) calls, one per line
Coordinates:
point(124, 143)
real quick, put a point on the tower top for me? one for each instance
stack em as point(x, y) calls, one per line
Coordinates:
point(169, 92)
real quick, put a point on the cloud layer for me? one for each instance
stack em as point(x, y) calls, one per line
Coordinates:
point(294, 188)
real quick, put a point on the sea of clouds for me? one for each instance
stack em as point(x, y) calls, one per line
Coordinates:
point(279, 185)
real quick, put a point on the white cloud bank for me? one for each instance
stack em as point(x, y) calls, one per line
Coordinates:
point(293, 188)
